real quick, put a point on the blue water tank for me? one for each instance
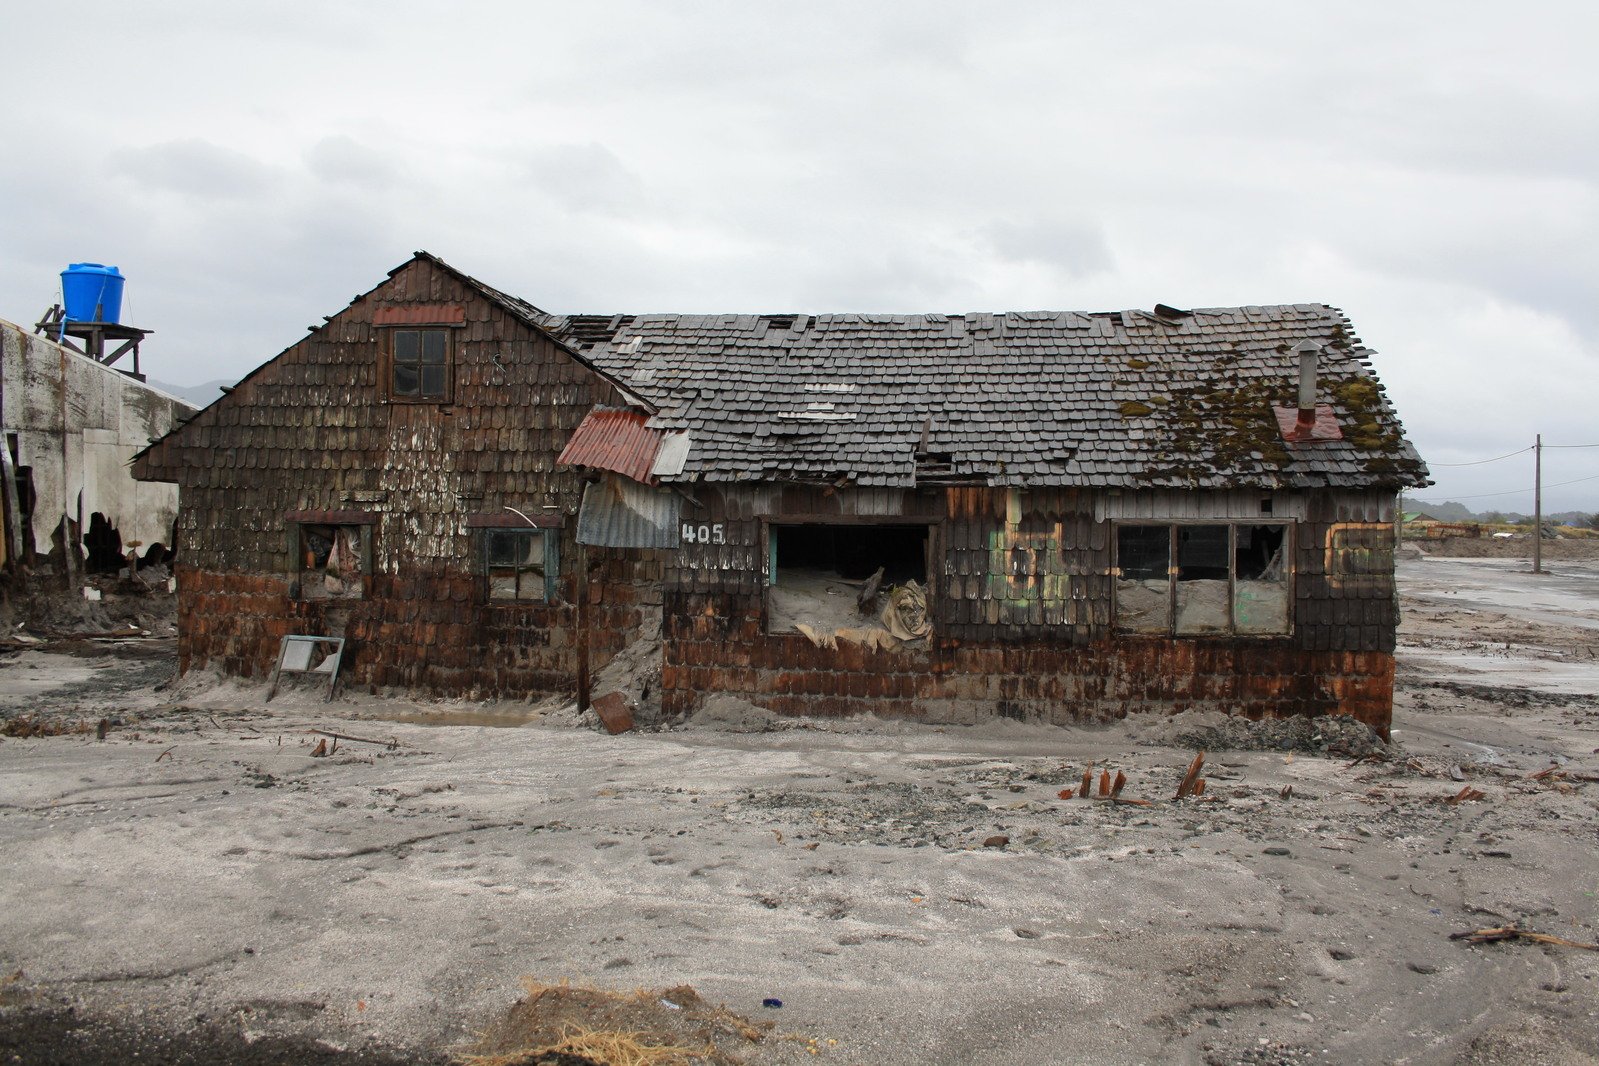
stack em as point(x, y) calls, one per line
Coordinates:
point(92, 292)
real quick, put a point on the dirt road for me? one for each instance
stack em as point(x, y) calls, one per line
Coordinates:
point(198, 881)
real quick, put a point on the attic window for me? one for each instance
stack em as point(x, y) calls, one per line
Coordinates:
point(420, 365)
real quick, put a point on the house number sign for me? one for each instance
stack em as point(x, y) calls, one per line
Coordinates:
point(714, 533)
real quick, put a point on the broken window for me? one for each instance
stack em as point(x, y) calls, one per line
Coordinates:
point(1227, 578)
point(521, 564)
point(832, 577)
point(332, 560)
point(419, 364)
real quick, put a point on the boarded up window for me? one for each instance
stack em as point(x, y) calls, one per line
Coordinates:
point(1360, 555)
point(520, 564)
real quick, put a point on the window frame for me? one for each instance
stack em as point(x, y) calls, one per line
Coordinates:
point(552, 564)
point(295, 524)
point(1172, 526)
point(391, 334)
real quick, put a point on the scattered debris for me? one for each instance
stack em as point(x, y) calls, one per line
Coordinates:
point(1192, 784)
point(391, 743)
point(614, 712)
point(1516, 932)
point(1466, 795)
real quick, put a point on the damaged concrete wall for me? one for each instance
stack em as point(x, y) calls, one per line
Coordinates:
point(1021, 593)
point(77, 425)
point(316, 436)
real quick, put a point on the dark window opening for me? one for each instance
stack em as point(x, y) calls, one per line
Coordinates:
point(832, 577)
point(521, 564)
point(104, 546)
point(421, 364)
point(332, 560)
point(1228, 578)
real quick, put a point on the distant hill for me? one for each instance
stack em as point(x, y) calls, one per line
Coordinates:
point(199, 395)
point(1451, 511)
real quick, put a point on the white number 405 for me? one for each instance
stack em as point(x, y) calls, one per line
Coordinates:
point(704, 534)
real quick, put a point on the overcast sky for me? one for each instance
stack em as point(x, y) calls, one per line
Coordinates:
point(1431, 168)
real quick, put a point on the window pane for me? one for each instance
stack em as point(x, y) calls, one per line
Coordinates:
point(516, 564)
point(405, 345)
point(405, 380)
point(1260, 585)
point(433, 346)
point(1202, 592)
point(1143, 592)
point(433, 381)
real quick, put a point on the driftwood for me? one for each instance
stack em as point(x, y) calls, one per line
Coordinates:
point(392, 742)
point(1515, 932)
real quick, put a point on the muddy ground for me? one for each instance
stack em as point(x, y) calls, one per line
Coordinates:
point(198, 887)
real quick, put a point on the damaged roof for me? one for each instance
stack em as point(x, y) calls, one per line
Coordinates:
point(1163, 398)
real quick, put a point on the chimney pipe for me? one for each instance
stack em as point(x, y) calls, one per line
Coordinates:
point(1308, 351)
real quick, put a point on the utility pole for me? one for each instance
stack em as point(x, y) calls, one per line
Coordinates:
point(1537, 505)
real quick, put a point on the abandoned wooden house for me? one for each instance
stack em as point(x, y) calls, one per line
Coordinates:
point(1041, 515)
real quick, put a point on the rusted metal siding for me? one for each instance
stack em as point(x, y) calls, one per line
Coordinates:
point(313, 431)
point(618, 441)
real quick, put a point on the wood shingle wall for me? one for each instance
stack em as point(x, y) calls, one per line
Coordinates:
point(1023, 612)
point(315, 431)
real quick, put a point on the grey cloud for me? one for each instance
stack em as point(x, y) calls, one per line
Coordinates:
point(585, 177)
point(344, 160)
point(1074, 249)
point(196, 168)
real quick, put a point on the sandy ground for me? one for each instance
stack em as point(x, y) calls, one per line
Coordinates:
point(199, 884)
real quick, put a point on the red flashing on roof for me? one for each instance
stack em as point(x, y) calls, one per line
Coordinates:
point(617, 441)
point(1323, 427)
point(420, 315)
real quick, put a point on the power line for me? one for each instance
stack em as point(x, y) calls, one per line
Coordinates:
point(1516, 492)
point(1571, 445)
point(1479, 462)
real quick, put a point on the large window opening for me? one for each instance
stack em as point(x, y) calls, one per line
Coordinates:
point(832, 577)
point(1202, 579)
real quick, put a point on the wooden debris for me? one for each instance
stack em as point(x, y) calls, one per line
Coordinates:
point(1515, 932)
point(1466, 795)
point(391, 743)
point(321, 750)
point(1192, 784)
point(1104, 783)
point(164, 754)
point(1067, 793)
point(1552, 773)
point(1286, 793)
point(1117, 785)
point(1088, 781)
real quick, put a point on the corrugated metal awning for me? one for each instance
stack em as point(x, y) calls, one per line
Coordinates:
point(620, 513)
point(619, 441)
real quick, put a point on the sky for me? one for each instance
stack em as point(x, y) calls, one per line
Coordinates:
point(1430, 167)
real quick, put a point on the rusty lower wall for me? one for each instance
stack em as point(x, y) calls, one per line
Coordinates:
point(427, 632)
point(710, 646)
